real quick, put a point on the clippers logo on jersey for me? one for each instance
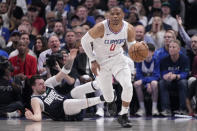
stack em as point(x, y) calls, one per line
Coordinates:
point(116, 42)
point(52, 96)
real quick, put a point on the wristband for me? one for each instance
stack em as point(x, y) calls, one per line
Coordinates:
point(65, 71)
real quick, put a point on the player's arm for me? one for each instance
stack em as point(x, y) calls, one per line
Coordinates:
point(131, 36)
point(96, 32)
point(36, 115)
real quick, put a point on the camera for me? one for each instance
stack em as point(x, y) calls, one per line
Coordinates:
point(53, 58)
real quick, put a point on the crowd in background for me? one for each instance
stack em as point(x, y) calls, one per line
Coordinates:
point(37, 35)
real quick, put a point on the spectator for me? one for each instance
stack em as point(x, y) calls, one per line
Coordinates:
point(59, 31)
point(74, 22)
point(133, 19)
point(147, 76)
point(40, 46)
point(50, 22)
point(70, 39)
point(10, 92)
point(192, 90)
point(142, 13)
point(54, 46)
point(82, 13)
point(59, 10)
point(36, 21)
point(13, 41)
point(24, 64)
point(79, 31)
point(157, 32)
point(92, 11)
point(125, 8)
point(141, 36)
point(166, 16)
point(24, 37)
point(174, 72)
point(4, 32)
point(164, 51)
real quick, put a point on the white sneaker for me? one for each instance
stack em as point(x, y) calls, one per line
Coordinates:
point(13, 114)
point(166, 113)
point(100, 112)
point(155, 112)
point(140, 112)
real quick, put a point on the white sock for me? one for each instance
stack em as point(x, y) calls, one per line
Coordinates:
point(142, 105)
point(154, 106)
point(124, 110)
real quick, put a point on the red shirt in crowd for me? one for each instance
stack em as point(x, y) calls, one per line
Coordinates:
point(27, 67)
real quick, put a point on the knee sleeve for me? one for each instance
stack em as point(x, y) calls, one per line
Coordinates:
point(127, 92)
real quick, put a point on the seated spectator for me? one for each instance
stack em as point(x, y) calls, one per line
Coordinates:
point(54, 46)
point(142, 13)
point(164, 51)
point(70, 39)
point(37, 22)
point(191, 46)
point(59, 31)
point(50, 22)
point(147, 76)
point(174, 72)
point(24, 64)
point(24, 37)
point(90, 5)
point(133, 19)
point(10, 92)
point(82, 13)
point(141, 36)
point(192, 90)
point(40, 46)
point(167, 17)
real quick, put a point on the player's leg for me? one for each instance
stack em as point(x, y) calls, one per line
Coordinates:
point(124, 78)
point(104, 81)
point(80, 91)
point(74, 106)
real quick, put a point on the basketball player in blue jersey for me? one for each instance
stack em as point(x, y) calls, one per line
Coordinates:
point(103, 45)
point(59, 107)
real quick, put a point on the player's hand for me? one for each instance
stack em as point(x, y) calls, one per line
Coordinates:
point(95, 67)
point(28, 114)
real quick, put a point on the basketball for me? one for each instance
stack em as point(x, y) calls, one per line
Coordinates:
point(138, 51)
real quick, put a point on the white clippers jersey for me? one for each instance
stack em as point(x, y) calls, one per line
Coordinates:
point(111, 43)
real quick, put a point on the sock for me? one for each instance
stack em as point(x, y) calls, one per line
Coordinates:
point(154, 106)
point(124, 110)
point(93, 101)
point(142, 105)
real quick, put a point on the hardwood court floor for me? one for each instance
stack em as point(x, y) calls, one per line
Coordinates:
point(101, 124)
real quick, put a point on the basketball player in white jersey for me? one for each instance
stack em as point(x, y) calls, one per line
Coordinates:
point(103, 45)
